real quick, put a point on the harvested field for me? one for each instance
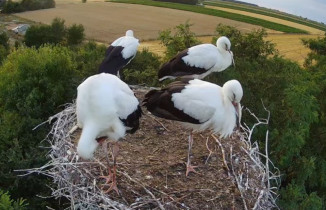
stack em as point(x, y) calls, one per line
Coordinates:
point(272, 19)
point(105, 21)
point(289, 45)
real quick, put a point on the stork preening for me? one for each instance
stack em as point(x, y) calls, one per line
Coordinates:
point(199, 61)
point(199, 105)
point(106, 108)
point(119, 54)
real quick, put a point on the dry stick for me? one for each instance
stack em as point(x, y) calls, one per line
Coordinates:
point(223, 153)
point(159, 123)
point(210, 151)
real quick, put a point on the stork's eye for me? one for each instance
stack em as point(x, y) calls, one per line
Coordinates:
point(233, 97)
point(226, 47)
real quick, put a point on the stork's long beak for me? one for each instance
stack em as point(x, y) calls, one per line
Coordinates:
point(238, 114)
point(233, 63)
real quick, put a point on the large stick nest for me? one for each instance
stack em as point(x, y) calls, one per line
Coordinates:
point(151, 168)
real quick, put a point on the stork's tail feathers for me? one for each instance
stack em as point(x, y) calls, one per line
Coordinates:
point(151, 98)
point(164, 71)
point(132, 121)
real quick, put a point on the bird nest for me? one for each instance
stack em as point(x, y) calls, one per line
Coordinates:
point(232, 172)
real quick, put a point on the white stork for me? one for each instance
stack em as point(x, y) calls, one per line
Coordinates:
point(106, 108)
point(199, 61)
point(199, 105)
point(119, 54)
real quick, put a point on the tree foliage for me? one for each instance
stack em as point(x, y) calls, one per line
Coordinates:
point(6, 203)
point(75, 34)
point(4, 46)
point(56, 33)
point(142, 69)
point(34, 83)
point(294, 97)
point(183, 38)
point(26, 5)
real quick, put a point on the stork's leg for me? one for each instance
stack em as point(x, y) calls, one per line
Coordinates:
point(115, 152)
point(190, 168)
point(109, 177)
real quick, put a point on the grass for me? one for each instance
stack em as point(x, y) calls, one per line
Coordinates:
point(217, 13)
point(267, 12)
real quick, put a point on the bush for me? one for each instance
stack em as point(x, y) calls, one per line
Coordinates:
point(248, 46)
point(6, 203)
point(88, 59)
point(294, 96)
point(142, 69)
point(37, 35)
point(4, 40)
point(75, 34)
point(182, 39)
point(34, 84)
point(4, 46)
point(56, 33)
point(12, 7)
point(26, 5)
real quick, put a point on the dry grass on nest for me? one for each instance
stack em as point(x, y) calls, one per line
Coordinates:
point(153, 180)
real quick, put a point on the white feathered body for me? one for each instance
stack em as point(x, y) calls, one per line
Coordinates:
point(130, 45)
point(206, 102)
point(102, 101)
point(209, 57)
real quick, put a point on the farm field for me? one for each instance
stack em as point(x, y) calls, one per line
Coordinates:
point(266, 12)
point(272, 19)
point(289, 45)
point(103, 20)
point(103, 23)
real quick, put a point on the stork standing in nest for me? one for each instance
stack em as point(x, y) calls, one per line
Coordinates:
point(199, 61)
point(119, 54)
point(106, 108)
point(199, 105)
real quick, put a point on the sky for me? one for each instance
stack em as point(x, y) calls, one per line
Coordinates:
point(311, 9)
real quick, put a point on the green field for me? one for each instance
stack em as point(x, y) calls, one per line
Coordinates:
point(267, 12)
point(218, 13)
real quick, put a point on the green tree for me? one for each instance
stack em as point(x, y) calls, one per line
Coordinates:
point(142, 69)
point(75, 34)
point(34, 83)
point(293, 96)
point(11, 7)
point(37, 35)
point(4, 40)
point(6, 203)
point(57, 31)
point(183, 38)
point(4, 46)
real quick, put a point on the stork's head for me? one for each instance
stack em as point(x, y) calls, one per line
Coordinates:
point(224, 43)
point(233, 92)
point(130, 33)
